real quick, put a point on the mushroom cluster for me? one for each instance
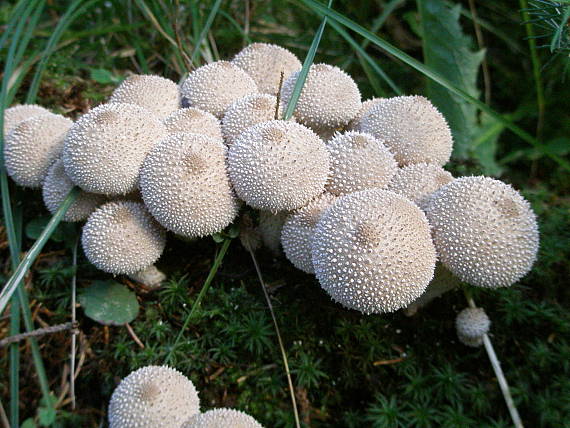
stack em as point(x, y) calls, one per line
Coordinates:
point(354, 191)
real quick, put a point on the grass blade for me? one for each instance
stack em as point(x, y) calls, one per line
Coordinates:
point(209, 21)
point(426, 71)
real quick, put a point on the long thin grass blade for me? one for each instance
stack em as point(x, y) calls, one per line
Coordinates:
point(209, 21)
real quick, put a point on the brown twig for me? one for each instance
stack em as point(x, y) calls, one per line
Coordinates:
point(38, 332)
point(4, 417)
point(481, 44)
point(279, 96)
point(134, 336)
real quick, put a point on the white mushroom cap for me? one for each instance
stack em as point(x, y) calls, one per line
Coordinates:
point(265, 63)
point(122, 238)
point(213, 87)
point(246, 112)
point(153, 397)
point(412, 128)
point(185, 185)
point(32, 146)
point(485, 232)
point(358, 161)
point(155, 93)
point(372, 251)
point(270, 226)
point(298, 231)
point(329, 99)
point(471, 325)
point(418, 181)
point(278, 165)
point(364, 108)
point(16, 114)
point(105, 148)
point(57, 186)
point(195, 121)
point(222, 418)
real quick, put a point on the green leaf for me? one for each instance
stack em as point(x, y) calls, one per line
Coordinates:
point(100, 75)
point(28, 423)
point(46, 416)
point(62, 232)
point(109, 303)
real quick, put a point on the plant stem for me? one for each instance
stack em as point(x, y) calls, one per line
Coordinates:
point(73, 321)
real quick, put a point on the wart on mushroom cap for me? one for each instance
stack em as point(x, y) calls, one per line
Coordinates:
point(104, 150)
point(278, 165)
point(213, 87)
point(265, 63)
point(153, 397)
point(372, 251)
point(485, 232)
point(195, 121)
point(16, 114)
point(122, 238)
point(222, 418)
point(32, 146)
point(412, 128)
point(185, 185)
point(471, 325)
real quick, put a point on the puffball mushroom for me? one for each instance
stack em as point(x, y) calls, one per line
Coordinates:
point(104, 150)
point(365, 107)
point(269, 228)
point(150, 276)
point(185, 185)
point(155, 93)
point(278, 165)
point(265, 63)
point(213, 87)
point(16, 114)
point(153, 397)
point(298, 232)
point(485, 232)
point(358, 161)
point(418, 181)
point(246, 112)
point(329, 100)
point(57, 186)
point(222, 418)
point(412, 128)
point(442, 282)
point(195, 121)
point(372, 251)
point(471, 325)
point(122, 238)
point(32, 146)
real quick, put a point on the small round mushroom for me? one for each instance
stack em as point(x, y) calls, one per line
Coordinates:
point(417, 182)
point(195, 121)
point(298, 232)
point(412, 128)
point(269, 228)
point(222, 418)
point(372, 251)
point(104, 150)
point(16, 114)
point(358, 161)
point(485, 232)
point(155, 93)
point(150, 276)
point(265, 63)
point(471, 325)
point(32, 146)
point(185, 185)
point(329, 100)
point(354, 124)
point(57, 186)
point(213, 87)
point(278, 166)
point(122, 238)
point(153, 397)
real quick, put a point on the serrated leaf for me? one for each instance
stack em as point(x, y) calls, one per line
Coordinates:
point(109, 303)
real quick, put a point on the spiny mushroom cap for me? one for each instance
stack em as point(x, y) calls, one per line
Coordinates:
point(56, 188)
point(298, 232)
point(265, 63)
point(32, 146)
point(471, 325)
point(417, 182)
point(246, 112)
point(105, 148)
point(222, 418)
point(358, 161)
point(485, 232)
point(16, 114)
point(213, 87)
point(278, 165)
point(155, 93)
point(153, 397)
point(329, 99)
point(270, 226)
point(412, 128)
point(185, 185)
point(365, 108)
point(195, 121)
point(122, 238)
point(372, 251)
